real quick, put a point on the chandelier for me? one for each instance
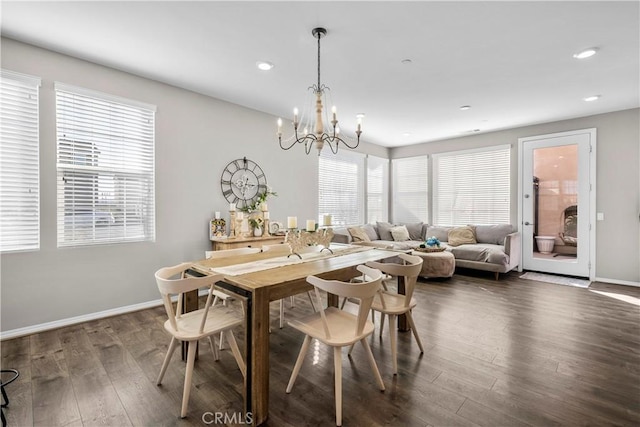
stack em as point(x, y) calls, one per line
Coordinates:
point(320, 133)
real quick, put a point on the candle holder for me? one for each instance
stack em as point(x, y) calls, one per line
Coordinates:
point(299, 239)
point(232, 224)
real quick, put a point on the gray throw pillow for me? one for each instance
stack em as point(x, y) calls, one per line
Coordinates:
point(415, 230)
point(384, 231)
point(493, 234)
point(371, 232)
point(440, 233)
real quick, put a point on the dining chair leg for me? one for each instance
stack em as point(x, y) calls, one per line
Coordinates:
point(172, 347)
point(381, 323)
point(372, 363)
point(298, 365)
point(236, 352)
point(313, 305)
point(351, 348)
point(337, 367)
point(214, 349)
point(221, 345)
point(412, 325)
point(281, 313)
point(191, 357)
point(394, 348)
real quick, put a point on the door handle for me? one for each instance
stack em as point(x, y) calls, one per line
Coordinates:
point(528, 223)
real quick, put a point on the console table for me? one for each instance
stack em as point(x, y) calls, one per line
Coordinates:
point(219, 244)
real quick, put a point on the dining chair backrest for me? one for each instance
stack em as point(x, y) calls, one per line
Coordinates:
point(410, 271)
point(173, 281)
point(226, 253)
point(363, 291)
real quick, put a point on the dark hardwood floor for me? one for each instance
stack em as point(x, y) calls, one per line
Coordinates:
point(497, 353)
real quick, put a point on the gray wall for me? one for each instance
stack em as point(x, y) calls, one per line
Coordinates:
point(617, 182)
point(196, 136)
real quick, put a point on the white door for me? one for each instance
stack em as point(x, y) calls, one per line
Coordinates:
point(557, 202)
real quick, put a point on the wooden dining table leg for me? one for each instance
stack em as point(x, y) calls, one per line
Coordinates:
point(189, 303)
point(258, 357)
point(403, 325)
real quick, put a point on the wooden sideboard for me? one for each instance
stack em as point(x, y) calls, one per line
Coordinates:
point(219, 244)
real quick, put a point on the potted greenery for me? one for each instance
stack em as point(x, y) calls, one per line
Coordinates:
point(257, 224)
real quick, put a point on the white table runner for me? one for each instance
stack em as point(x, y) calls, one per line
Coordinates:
point(281, 261)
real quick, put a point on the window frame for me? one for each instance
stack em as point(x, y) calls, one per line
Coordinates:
point(105, 148)
point(20, 171)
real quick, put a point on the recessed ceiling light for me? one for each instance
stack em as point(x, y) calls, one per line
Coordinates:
point(264, 65)
point(592, 98)
point(465, 107)
point(360, 115)
point(406, 134)
point(406, 61)
point(586, 53)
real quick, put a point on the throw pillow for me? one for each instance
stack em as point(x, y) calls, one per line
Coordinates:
point(400, 233)
point(493, 234)
point(415, 230)
point(384, 230)
point(461, 236)
point(371, 232)
point(358, 234)
point(440, 233)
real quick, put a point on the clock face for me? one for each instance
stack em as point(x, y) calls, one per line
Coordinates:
point(242, 182)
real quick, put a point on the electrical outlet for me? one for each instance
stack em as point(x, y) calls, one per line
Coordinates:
point(600, 216)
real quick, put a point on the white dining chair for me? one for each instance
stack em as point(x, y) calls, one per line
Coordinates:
point(218, 294)
point(195, 325)
point(392, 304)
point(337, 328)
point(285, 249)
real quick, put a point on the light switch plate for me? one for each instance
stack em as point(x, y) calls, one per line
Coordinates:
point(600, 216)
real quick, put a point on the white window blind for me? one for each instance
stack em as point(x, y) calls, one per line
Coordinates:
point(472, 187)
point(341, 187)
point(410, 189)
point(19, 162)
point(106, 190)
point(377, 189)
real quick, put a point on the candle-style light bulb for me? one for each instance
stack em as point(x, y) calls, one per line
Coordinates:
point(279, 127)
point(295, 116)
point(333, 112)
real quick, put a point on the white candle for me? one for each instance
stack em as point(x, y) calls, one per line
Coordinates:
point(292, 222)
point(240, 215)
point(265, 215)
point(311, 225)
point(326, 219)
point(245, 226)
point(264, 207)
point(232, 207)
point(217, 215)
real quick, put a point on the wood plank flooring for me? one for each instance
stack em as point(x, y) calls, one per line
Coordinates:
point(511, 352)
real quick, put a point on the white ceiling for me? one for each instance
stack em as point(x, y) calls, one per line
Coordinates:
point(510, 61)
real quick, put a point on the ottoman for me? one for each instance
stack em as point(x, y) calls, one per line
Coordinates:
point(436, 264)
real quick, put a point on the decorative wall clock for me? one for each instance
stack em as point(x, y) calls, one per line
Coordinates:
point(242, 182)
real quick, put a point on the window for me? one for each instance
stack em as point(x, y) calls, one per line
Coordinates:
point(341, 187)
point(105, 168)
point(19, 163)
point(410, 189)
point(472, 187)
point(377, 189)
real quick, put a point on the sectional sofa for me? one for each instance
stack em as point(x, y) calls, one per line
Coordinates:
point(494, 248)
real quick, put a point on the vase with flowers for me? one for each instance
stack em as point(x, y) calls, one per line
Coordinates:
point(257, 223)
point(261, 201)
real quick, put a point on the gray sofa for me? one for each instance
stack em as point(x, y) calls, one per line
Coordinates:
point(497, 247)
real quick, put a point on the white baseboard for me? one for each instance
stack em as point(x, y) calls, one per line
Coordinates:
point(28, 330)
point(616, 281)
